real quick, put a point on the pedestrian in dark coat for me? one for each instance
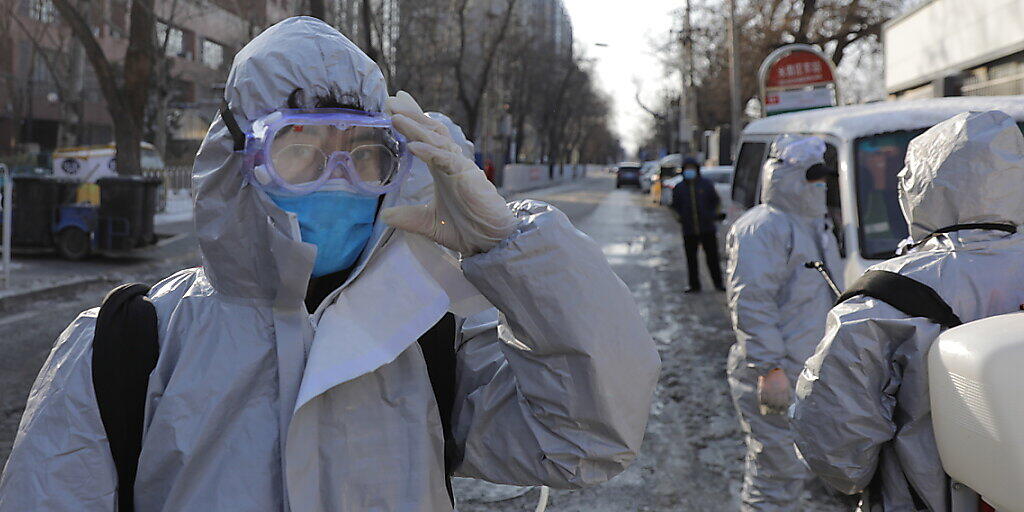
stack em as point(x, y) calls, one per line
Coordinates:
point(697, 203)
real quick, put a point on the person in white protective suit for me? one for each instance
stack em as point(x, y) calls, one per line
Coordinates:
point(292, 371)
point(778, 308)
point(862, 411)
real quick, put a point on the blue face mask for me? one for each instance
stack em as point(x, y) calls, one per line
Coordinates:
point(689, 174)
point(337, 222)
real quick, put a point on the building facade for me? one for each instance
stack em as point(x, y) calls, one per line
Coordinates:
point(954, 48)
point(52, 97)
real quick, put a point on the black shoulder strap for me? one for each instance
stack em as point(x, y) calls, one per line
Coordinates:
point(438, 345)
point(905, 294)
point(237, 135)
point(124, 352)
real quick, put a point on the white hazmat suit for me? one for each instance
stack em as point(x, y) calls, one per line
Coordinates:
point(862, 413)
point(778, 309)
point(256, 405)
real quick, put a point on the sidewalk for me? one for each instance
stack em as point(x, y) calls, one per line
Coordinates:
point(179, 208)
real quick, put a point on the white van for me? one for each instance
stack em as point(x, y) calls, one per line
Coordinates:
point(866, 144)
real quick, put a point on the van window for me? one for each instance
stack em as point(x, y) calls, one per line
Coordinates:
point(878, 159)
point(748, 171)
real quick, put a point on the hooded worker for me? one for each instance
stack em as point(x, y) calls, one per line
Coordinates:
point(778, 308)
point(862, 413)
point(301, 367)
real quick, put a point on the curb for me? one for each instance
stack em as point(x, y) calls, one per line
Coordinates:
point(11, 298)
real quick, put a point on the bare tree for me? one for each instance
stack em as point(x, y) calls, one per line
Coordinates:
point(317, 9)
point(471, 86)
point(836, 26)
point(126, 97)
point(52, 46)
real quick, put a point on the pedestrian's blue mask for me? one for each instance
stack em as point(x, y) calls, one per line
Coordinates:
point(337, 222)
point(689, 174)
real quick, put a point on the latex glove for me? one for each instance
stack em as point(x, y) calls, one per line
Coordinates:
point(773, 392)
point(466, 214)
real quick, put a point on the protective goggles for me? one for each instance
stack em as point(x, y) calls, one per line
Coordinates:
point(301, 151)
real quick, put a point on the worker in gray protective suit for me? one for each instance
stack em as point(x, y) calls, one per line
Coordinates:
point(292, 372)
point(778, 309)
point(862, 413)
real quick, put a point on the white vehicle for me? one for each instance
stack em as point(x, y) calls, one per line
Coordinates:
point(647, 170)
point(721, 177)
point(90, 163)
point(866, 144)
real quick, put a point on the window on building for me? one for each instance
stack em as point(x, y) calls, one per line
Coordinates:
point(171, 38)
point(42, 10)
point(213, 54)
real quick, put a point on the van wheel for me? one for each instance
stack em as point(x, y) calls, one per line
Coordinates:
point(73, 244)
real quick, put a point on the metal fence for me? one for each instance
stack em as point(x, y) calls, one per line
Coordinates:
point(173, 178)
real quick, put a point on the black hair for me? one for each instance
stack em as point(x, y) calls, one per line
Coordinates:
point(346, 100)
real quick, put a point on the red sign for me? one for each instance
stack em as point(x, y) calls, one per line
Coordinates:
point(798, 68)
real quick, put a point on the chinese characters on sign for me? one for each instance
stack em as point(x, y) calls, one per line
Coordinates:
point(797, 77)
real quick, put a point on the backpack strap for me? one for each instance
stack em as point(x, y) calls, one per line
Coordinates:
point(438, 346)
point(905, 294)
point(124, 352)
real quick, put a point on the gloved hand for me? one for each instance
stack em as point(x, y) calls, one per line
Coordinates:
point(466, 215)
point(773, 392)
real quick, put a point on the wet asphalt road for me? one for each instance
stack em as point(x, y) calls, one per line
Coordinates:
point(693, 450)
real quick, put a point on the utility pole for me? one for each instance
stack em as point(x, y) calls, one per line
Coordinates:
point(686, 101)
point(734, 83)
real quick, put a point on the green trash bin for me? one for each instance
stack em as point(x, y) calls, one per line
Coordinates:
point(34, 206)
point(127, 208)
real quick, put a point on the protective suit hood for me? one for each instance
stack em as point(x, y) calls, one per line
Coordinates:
point(247, 242)
point(964, 170)
point(785, 181)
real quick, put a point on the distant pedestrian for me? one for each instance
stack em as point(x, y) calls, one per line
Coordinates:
point(697, 203)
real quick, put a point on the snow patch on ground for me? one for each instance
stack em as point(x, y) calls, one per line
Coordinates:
point(179, 208)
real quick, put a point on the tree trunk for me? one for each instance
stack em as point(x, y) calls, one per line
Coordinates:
point(317, 9)
point(127, 103)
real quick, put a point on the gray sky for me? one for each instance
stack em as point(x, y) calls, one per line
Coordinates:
point(627, 28)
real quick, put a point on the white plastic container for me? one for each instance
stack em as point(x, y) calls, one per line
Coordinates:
point(976, 380)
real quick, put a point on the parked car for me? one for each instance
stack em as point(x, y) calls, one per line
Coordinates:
point(667, 167)
point(866, 144)
point(721, 177)
point(647, 170)
point(627, 173)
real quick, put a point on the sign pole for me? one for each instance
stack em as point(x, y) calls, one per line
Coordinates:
point(8, 201)
point(734, 83)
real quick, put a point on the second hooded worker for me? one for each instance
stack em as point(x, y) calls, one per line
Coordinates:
point(862, 408)
point(778, 309)
point(299, 367)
